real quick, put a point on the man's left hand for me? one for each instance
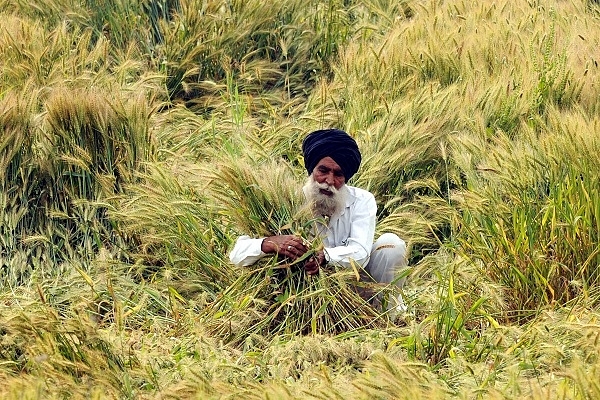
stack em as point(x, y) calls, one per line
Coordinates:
point(312, 265)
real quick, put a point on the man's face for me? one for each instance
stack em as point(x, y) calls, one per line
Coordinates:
point(324, 199)
point(329, 172)
point(325, 189)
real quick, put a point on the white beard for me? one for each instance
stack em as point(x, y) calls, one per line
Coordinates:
point(320, 204)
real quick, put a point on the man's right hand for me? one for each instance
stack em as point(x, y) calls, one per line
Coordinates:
point(291, 246)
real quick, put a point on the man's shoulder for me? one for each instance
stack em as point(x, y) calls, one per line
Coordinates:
point(359, 193)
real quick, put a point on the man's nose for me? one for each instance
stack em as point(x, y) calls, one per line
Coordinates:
point(329, 179)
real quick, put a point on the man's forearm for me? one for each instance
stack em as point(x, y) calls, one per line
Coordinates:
point(246, 251)
point(345, 255)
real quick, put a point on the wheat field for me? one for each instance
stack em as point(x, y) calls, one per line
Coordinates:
point(139, 139)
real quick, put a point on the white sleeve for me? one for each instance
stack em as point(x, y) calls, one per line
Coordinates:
point(360, 238)
point(246, 251)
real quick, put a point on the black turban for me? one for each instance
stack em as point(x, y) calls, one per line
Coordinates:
point(333, 143)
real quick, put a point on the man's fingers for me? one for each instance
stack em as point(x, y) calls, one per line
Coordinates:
point(298, 246)
point(292, 251)
point(287, 245)
point(312, 266)
point(295, 247)
point(312, 270)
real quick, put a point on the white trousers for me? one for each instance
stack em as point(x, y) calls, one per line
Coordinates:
point(388, 258)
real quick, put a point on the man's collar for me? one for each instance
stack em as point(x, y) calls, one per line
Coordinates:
point(350, 199)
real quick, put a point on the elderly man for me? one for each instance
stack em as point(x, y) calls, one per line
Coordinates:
point(331, 158)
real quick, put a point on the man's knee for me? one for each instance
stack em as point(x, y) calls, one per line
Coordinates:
point(391, 238)
point(388, 258)
point(392, 242)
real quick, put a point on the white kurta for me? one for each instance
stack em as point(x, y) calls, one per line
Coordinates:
point(349, 236)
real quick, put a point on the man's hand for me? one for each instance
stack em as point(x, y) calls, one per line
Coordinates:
point(312, 265)
point(287, 245)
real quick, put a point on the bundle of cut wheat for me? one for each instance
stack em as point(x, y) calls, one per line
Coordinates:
point(275, 295)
